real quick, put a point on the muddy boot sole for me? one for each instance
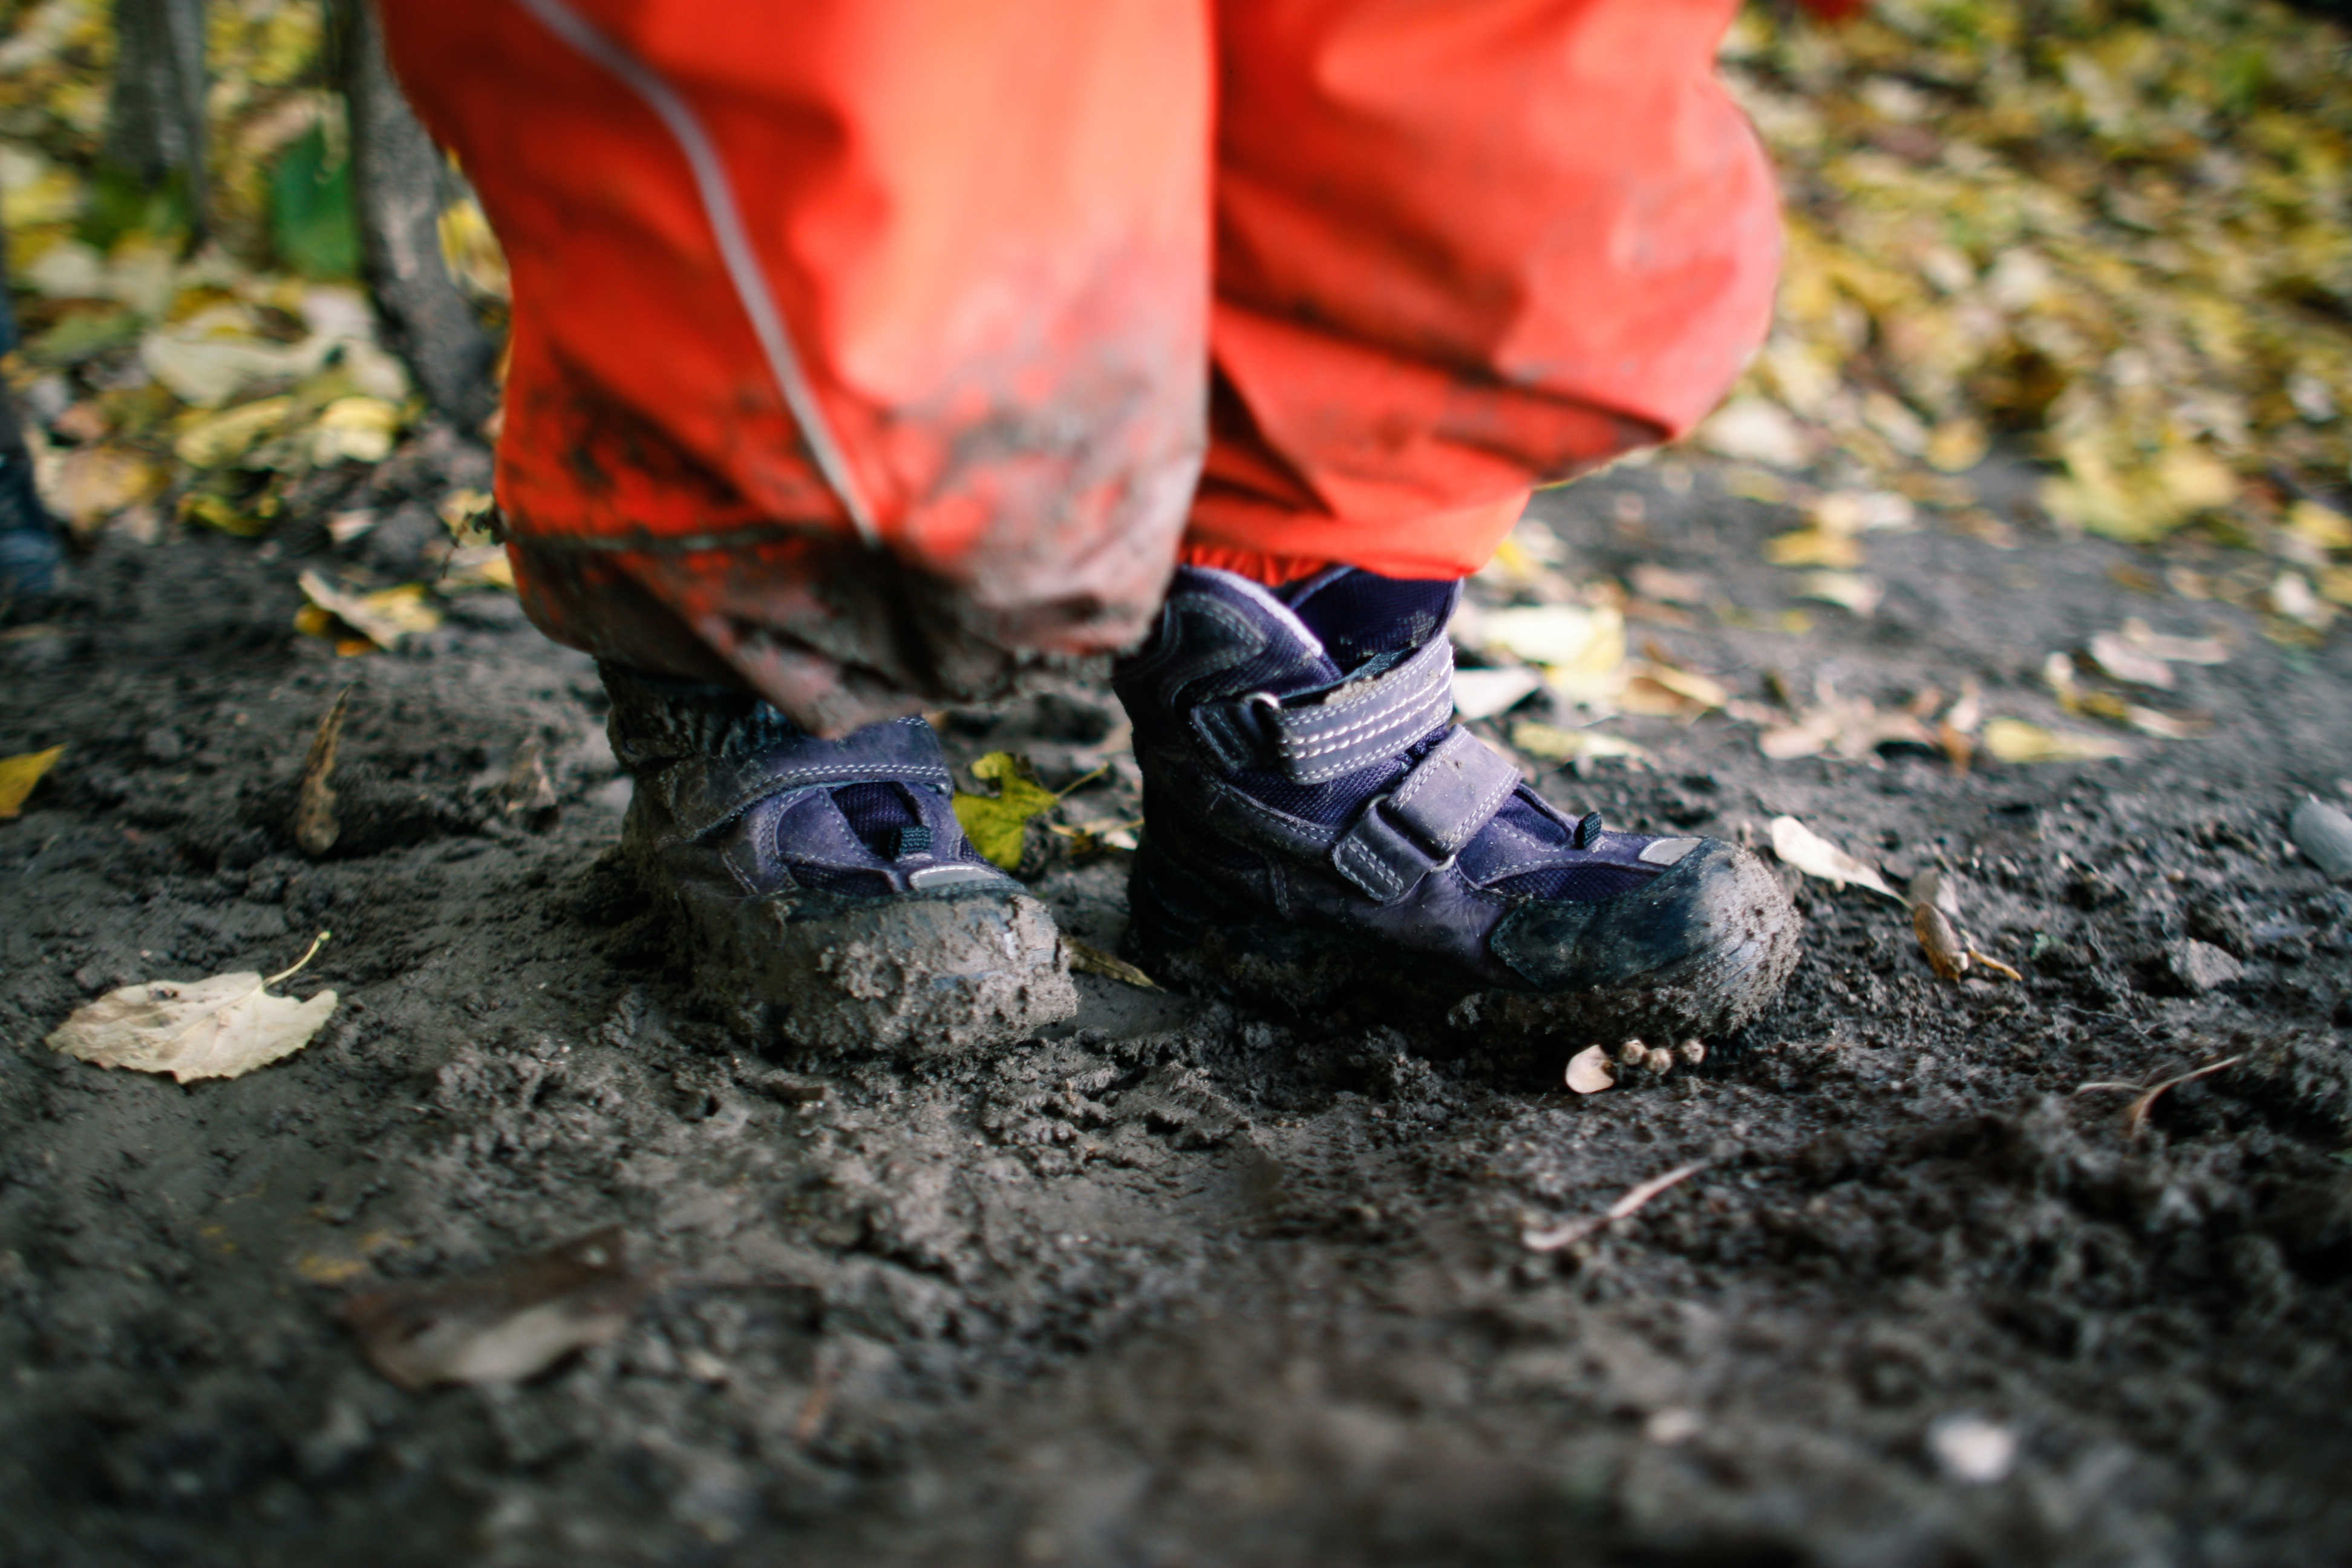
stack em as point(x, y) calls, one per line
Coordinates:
point(1183, 933)
point(919, 975)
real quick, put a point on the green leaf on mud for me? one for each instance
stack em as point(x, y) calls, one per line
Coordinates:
point(998, 825)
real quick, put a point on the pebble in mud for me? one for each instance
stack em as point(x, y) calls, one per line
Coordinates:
point(2325, 834)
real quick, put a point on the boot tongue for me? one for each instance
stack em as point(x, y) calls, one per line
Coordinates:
point(1360, 616)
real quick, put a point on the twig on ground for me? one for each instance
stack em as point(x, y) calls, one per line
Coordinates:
point(2135, 1115)
point(1576, 1230)
point(1996, 965)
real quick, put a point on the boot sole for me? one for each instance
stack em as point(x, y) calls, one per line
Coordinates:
point(1189, 941)
point(926, 976)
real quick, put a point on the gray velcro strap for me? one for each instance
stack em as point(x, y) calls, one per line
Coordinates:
point(1454, 791)
point(1364, 722)
point(1439, 806)
point(707, 791)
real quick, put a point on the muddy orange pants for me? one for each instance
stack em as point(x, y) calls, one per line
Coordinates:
point(876, 351)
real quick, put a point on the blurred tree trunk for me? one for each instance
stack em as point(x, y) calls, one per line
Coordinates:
point(397, 190)
point(155, 107)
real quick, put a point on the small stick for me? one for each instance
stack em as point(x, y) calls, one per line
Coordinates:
point(2135, 1115)
point(1576, 1230)
point(317, 943)
point(1996, 965)
point(315, 827)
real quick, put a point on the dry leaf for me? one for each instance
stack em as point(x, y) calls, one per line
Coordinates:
point(1589, 1071)
point(91, 484)
point(1666, 585)
point(2117, 657)
point(315, 827)
point(506, 1324)
point(1809, 852)
point(1088, 958)
point(1946, 953)
point(2015, 741)
point(222, 1027)
point(2172, 649)
point(1814, 547)
point(1567, 637)
point(221, 439)
point(383, 617)
point(1849, 590)
point(357, 429)
point(19, 774)
point(1551, 743)
point(1482, 693)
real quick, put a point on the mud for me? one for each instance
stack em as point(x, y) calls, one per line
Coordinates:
point(1179, 1283)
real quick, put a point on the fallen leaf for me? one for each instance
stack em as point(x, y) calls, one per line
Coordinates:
point(1814, 547)
point(1551, 743)
point(1849, 590)
point(19, 774)
point(477, 566)
point(221, 1027)
point(1589, 1071)
point(383, 617)
point(315, 827)
point(1756, 431)
point(505, 1324)
point(2172, 649)
point(1567, 637)
point(219, 439)
point(1659, 690)
point(357, 429)
point(998, 825)
point(1482, 693)
point(2015, 741)
point(1088, 958)
point(91, 484)
point(1809, 852)
point(2117, 657)
point(1666, 585)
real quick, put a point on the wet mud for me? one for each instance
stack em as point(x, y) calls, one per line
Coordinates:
point(1181, 1281)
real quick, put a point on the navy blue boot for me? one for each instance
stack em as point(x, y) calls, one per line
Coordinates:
point(1320, 836)
point(824, 888)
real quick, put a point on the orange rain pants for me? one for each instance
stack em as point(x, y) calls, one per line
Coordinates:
point(874, 352)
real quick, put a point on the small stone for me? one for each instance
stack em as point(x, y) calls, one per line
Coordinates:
point(1633, 1053)
point(1659, 1061)
point(2324, 835)
point(163, 745)
point(1692, 1052)
point(1972, 1449)
point(2200, 966)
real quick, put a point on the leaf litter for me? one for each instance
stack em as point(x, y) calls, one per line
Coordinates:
point(1798, 845)
point(505, 1324)
point(224, 1026)
point(20, 774)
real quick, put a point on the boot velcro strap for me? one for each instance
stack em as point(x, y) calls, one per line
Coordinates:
point(703, 793)
point(1439, 806)
point(1361, 723)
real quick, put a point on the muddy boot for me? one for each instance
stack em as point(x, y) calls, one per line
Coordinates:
point(1318, 835)
point(824, 888)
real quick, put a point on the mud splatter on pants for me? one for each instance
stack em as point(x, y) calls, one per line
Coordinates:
point(874, 352)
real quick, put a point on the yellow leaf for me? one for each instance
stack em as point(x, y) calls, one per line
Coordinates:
point(998, 825)
point(360, 429)
point(217, 440)
point(2015, 741)
point(18, 774)
point(2321, 525)
point(93, 483)
point(2335, 584)
point(1551, 743)
point(383, 617)
point(1815, 547)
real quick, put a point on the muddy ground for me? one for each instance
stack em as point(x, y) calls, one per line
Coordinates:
point(1177, 1284)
